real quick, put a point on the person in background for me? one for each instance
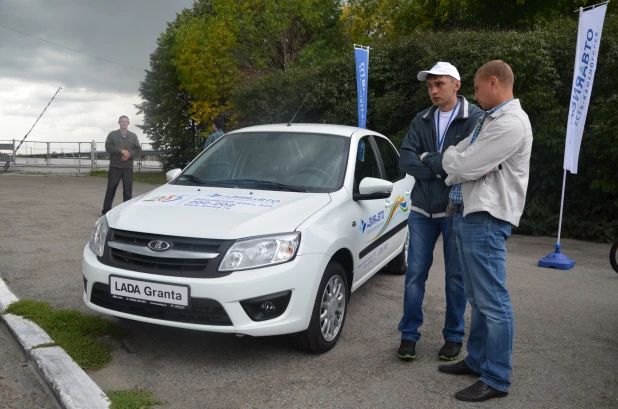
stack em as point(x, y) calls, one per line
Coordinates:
point(122, 146)
point(217, 132)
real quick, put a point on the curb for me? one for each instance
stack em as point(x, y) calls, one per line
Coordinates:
point(72, 386)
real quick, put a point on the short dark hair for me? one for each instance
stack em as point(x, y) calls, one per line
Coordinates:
point(219, 123)
point(123, 116)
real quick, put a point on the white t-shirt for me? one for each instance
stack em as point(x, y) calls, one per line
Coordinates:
point(443, 123)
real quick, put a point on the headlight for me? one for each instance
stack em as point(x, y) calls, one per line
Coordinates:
point(260, 252)
point(99, 233)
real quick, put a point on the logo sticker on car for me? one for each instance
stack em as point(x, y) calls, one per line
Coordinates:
point(240, 203)
point(167, 199)
point(379, 223)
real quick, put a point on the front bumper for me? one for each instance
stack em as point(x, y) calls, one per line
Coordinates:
point(301, 276)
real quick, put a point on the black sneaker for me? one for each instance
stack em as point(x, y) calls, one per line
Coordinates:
point(450, 351)
point(407, 349)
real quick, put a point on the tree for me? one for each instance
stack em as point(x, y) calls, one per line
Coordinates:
point(367, 20)
point(166, 105)
point(239, 40)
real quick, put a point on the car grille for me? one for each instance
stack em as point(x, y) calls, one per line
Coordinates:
point(157, 265)
point(133, 260)
point(203, 311)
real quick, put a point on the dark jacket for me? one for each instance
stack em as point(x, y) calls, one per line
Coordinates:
point(430, 194)
point(115, 143)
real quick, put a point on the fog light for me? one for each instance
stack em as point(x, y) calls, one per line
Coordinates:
point(267, 307)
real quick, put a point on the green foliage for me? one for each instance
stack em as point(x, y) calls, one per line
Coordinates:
point(238, 39)
point(542, 61)
point(76, 333)
point(366, 20)
point(133, 399)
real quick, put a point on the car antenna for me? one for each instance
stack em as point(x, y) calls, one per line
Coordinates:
point(301, 105)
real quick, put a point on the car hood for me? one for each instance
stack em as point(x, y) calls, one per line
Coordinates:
point(213, 212)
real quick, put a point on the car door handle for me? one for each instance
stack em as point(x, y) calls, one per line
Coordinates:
point(408, 192)
point(388, 203)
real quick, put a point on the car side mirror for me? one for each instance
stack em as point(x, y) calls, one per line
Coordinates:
point(171, 175)
point(372, 188)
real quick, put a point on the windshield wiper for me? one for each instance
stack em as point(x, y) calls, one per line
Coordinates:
point(264, 183)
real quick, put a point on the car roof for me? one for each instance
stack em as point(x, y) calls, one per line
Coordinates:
point(341, 130)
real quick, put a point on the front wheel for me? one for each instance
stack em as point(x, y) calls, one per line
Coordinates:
point(612, 256)
point(329, 311)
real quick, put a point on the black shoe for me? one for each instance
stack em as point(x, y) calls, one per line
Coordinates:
point(479, 392)
point(450, 351)
point(407, 349)
point(458, 368)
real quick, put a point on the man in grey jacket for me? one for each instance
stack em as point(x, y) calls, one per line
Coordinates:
point(122, 146)
point(489, 171)
point(450, 119)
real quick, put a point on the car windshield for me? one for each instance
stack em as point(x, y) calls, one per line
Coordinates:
point(287, 161)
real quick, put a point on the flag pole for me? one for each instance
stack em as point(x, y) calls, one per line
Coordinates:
point(589, 26)
point(561, 206)
point(581, 9)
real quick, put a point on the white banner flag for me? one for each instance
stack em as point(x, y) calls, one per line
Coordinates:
point(586, 57)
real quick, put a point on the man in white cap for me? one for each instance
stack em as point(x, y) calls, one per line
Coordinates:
point(448, 121)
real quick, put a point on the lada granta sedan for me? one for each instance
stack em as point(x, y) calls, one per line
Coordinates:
point(266, 232)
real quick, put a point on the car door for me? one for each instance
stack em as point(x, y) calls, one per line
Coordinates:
point(370, 214)
point(397, 214)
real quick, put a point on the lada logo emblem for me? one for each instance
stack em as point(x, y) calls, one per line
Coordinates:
point(159, 245)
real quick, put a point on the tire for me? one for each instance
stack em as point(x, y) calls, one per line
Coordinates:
point(333, 289)
point(612, 256)
point(399, 265)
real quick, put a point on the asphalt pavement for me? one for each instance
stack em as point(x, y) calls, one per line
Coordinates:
point(20, 385)
point(566, 324)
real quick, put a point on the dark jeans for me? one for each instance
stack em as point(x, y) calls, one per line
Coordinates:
point(113, 178)
point(424, 233)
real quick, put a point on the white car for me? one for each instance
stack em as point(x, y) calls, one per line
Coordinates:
point(266, 232)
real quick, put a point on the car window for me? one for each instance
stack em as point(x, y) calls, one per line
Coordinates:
point(366, 163)
point(311, 162)
point(390, 159)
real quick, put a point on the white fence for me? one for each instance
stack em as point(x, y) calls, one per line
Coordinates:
point(83, 156)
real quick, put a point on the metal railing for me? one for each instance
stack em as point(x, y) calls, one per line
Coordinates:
point(82, 156)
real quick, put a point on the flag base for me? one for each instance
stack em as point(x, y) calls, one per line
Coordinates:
point(556, 260)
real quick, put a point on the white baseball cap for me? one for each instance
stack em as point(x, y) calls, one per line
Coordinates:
point(441, 68)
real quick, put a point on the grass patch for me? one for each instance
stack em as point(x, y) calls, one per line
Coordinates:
point(77, 333)
point(153, 178)
point(133, 399)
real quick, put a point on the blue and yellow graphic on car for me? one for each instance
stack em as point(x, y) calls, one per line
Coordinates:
point(377, 224)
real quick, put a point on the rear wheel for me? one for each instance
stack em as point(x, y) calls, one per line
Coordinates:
point(612, 256)
point(329, 311)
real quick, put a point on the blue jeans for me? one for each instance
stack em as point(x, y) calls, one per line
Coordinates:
point(481, 240)
point(424, 232)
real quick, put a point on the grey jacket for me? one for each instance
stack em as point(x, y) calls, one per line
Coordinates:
point(115, 143)
point(494, 170)
point(430, 194)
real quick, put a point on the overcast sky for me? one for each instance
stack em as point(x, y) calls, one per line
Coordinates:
point(95, 93)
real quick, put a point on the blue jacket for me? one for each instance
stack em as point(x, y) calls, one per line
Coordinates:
point(430, 194)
